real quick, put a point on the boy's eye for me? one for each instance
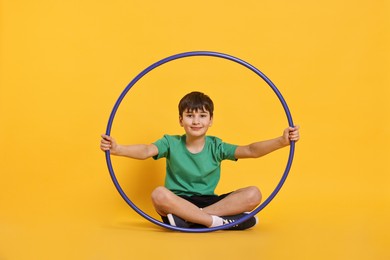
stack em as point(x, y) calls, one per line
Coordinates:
point(190, 115)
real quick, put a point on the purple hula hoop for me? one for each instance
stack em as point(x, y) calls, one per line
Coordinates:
point(179, 56)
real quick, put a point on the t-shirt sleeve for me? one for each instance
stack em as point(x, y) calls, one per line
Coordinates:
point(163, 148)
point(224, 151)
point(229, 151)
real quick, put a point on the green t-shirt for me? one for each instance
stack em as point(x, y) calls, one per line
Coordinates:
point(193, 174)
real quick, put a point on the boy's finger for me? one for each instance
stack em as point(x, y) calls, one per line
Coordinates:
point(106, 137)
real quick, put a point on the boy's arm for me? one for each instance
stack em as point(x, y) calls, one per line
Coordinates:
point(262, 148)
point(136, 151)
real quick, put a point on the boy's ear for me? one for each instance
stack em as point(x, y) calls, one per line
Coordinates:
point(181, 120)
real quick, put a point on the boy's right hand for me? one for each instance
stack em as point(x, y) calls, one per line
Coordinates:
point(108, 144)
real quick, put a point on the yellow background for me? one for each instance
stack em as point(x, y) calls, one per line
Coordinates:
point(63, 64)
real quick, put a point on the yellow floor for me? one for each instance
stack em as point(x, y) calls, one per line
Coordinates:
point(303, 222)
point(294, 234)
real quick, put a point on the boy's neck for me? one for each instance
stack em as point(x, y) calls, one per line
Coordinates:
point(195, 144)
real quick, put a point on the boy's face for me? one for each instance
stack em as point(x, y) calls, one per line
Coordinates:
point(196, 122)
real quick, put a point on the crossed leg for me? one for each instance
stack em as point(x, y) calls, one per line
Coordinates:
point(239, 201)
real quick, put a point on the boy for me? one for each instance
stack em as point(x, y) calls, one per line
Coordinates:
point(193, 169)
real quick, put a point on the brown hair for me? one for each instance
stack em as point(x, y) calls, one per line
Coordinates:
point(196, 101)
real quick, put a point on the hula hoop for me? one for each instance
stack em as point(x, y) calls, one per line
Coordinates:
point(179, 56)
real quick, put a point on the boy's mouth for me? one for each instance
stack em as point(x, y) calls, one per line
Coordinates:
point(196, 128)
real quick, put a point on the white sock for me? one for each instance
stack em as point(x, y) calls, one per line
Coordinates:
point(217, 221)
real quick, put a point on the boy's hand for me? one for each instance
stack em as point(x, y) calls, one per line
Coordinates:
point(108, 144)
point(291, 134)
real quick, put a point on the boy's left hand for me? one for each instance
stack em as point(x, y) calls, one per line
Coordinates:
point(291, 134)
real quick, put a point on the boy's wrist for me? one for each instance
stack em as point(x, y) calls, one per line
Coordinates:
point(115, 150)
point(283, 141)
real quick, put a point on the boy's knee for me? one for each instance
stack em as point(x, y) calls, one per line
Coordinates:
point(254, 196)
point(160, 195)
